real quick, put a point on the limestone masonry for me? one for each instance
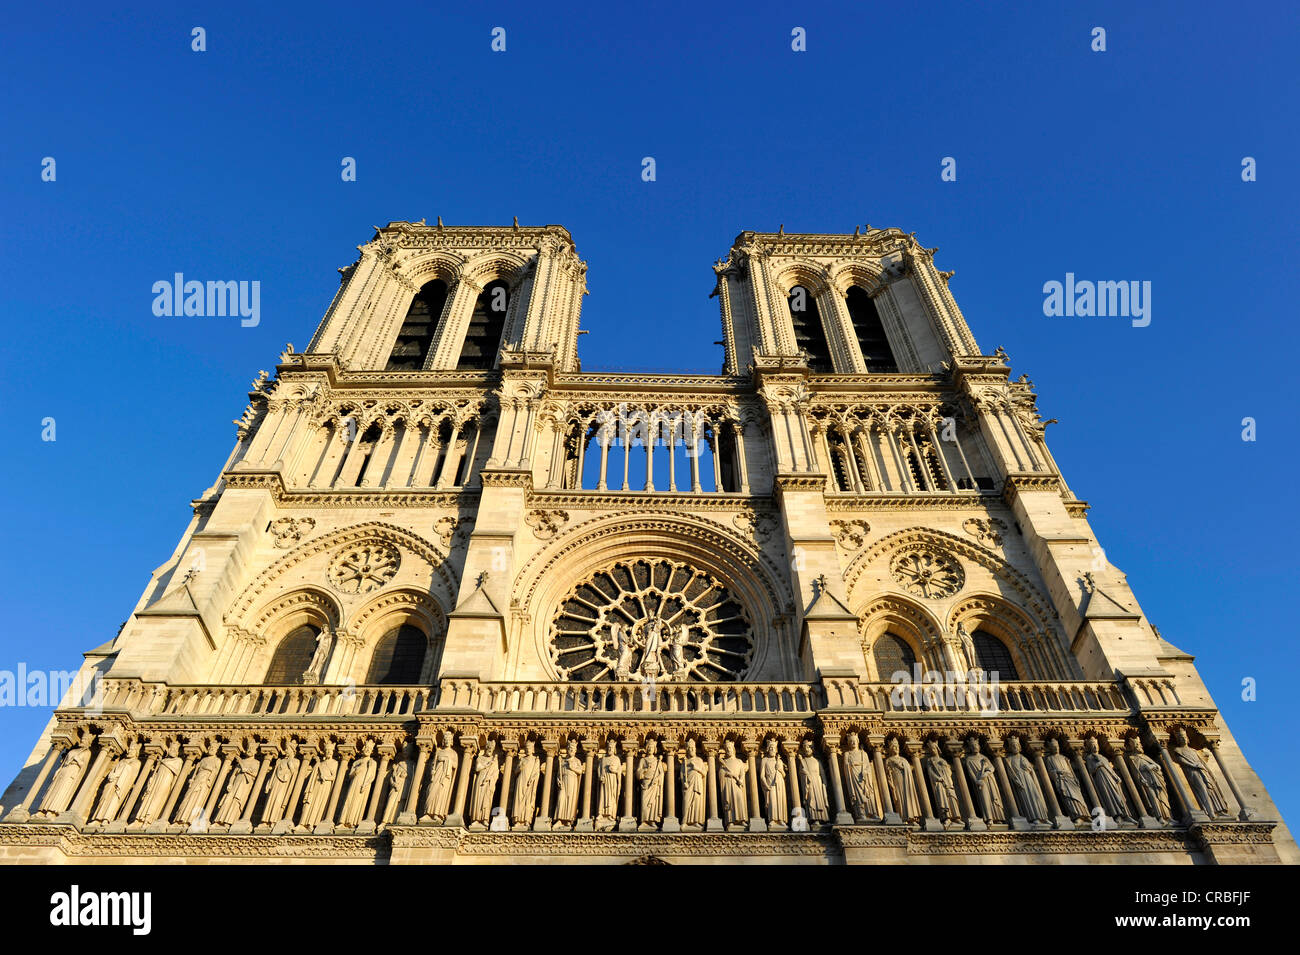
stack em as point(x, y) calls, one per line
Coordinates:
point(453, 599)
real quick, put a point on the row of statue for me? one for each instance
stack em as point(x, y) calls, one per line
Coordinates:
point(776, 785)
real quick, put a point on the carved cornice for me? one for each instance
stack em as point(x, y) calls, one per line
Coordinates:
point(659, 500)
point(957, 501)
point(352, 497)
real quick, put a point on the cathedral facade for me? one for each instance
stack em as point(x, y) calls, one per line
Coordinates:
point(452, 599)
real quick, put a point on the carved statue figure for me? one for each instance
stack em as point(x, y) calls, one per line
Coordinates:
point(66, 778)
point(1024, 782)
point(650, 775)
point(677, 651)
point(280, 782)
point(527, 773)
point(570, 768)
point(159, 786)
point(1205, 790)
point(316, 794)
point(695, 775)
point(938, 773)
point(118, 785)
point(243, 776)
point(898, 771)
point(859, 790)
point(190, 808)
point(967, 648)
point(623, 643)
point(771, 786)
point(609, 771)
point(324, 642)
point(983, 782)
point(361, 777)
point(1150, 779)
point(486, 772)
point(1066, 784)
point(1110, 788)
point(812, 784)
point(442, 780)
point(399, 776)
point(731, 787)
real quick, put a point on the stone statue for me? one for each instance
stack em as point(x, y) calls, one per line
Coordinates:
point(1150, 779)
point(650, 775)
point(653, 642)
point(1066, 784)
point(983, 782)
point(677, 652)
point(442, 781)
point(859, 791)
point(279, 784)
point(159, 786)
point(1110, 788)
point(898, 771)
point(623, 644)
point(570, 769)
point(67, 777)
point(812, 784)
point(1205, 790)
point(118, 785)
point(771, 786)
point(527, 774)
point(190, 809)
point(361, 777)
point(486, 771)
point(316, 794)
point(315, 669)
point(967, 648)
point(1024, 782)
point(609, 771)
point(243, 776)
point(695, 775)
point(731, 787)
point(399, 774)
point(939, 774)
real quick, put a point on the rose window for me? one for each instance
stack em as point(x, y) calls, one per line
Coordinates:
point(364, 567)
point(928, 573)
point(651, 619)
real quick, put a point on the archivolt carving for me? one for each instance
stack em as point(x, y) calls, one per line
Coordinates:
point(443, 579)
point(419, 604)
point(1030, 597)
point(927, 573)
point(306, 598)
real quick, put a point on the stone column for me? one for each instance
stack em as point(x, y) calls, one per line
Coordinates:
point(792, 777)
point(1245, 813)
point(887, 814)
point(1189, 811)
point(245, 822)
point(509, 747)
point(345, 752)
point(1014, 819)
point(973, 821)
point(671, 822)
point(407, 816)
point(468, 748)
point(756, 821)
point(842, 816)
point(1049, 791)
point(22, 812)
point(386, 753)
point(1075, 747)
point(928, 821)
point(628, 822)
point(229, 752)
point(714, 821)
point(585, 823)
point(542, 823)
point(124, 814)
point(80, 806)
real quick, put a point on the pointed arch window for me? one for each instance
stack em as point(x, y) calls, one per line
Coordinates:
point(893, 655)
point(399, 656)
point(870, 332)
point(993, 656)
point(293, 655)
point(416, 334)
point(809, 333)
point(483, 337)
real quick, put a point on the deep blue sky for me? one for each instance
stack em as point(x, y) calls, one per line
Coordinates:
point(225, 165)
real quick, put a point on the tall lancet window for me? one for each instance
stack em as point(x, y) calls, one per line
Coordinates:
point(416, 333)
point(809, 334)
point(870, 332)
point(483, 337)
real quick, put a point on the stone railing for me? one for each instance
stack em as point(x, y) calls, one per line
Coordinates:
point(692, 698)
point(991, 699)
point(157, 699)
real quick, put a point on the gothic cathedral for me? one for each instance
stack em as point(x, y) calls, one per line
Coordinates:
point(453, 599)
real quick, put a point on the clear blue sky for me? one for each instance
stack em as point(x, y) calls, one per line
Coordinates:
point(225, 165)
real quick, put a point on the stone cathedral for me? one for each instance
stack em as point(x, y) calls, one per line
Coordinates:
point(453, 599)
